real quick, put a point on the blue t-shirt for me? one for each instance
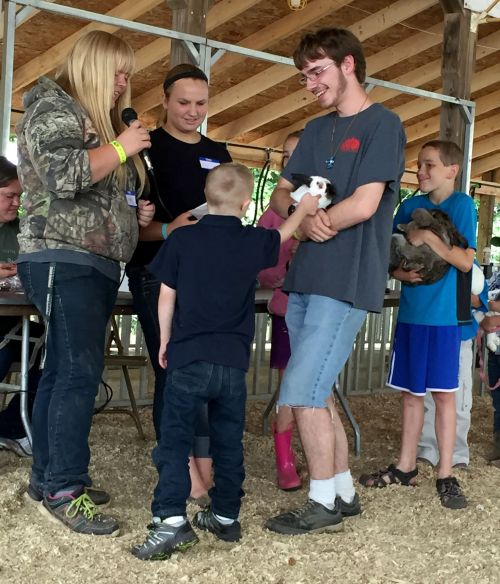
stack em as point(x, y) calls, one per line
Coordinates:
point(447, 301)
point(213, 267)
point(368, 148)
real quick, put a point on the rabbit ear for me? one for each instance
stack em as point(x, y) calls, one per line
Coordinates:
point(301, 179)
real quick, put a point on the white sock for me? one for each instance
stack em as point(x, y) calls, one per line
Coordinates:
point(344, 486)
point(323, 492)
point(175, 520)
point(223, 520)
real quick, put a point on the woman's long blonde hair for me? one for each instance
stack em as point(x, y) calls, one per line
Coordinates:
point(88, 75)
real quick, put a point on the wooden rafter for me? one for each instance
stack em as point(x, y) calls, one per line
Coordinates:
point(364, 29)
point(29, 72)
point(258, 41)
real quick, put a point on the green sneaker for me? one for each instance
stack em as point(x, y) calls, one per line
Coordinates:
point(78, 512)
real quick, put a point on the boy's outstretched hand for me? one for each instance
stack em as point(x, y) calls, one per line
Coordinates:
point(309, 203)
point(162, 356)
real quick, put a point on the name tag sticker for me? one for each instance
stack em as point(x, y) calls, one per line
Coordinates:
point(208, 163)
point(131, 200)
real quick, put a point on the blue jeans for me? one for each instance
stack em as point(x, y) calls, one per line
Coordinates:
point(11, 425)
point(187, 388)
point(493, 377)
point(82, 304)
point(322, 332)
point(145, 289)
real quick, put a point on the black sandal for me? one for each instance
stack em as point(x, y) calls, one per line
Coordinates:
point(389, 476)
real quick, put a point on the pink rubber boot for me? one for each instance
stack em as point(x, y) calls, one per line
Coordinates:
point(288, 479)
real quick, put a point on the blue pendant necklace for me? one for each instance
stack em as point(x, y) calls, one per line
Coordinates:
point(329, 162)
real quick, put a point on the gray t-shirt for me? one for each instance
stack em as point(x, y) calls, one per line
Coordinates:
point(352, 266)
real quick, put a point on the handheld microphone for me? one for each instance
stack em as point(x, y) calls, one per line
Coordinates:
point(128, 116)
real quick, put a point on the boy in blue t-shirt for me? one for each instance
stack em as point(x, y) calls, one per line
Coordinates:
point(207, 320)
point(427, 338)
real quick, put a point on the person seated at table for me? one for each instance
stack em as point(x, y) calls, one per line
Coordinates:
point(12, 433)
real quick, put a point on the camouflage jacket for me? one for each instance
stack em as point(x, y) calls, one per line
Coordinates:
point(64, 210)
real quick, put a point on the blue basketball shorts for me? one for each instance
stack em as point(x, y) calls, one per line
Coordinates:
point(425, 358)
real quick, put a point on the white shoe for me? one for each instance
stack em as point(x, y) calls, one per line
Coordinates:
point(20, 446)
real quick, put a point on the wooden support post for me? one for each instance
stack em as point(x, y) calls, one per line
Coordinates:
point(486, 212)
point(189, 16)
point(457, 68)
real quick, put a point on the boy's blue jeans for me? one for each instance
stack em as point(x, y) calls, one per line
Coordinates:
point(83, 301)
point(186, 390)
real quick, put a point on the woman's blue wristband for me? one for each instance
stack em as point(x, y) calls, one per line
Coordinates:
point(164, 232)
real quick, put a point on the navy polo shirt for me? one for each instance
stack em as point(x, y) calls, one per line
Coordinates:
point(213, 267)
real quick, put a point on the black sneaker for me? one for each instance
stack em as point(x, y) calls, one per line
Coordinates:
point(207, 521)
point(349, 509)
point(450, 493)
point(163, 540)
point(98, 497)
point(77, 511)
point(310, 518)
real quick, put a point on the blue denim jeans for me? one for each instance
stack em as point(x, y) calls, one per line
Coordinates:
point(82, 304)
point(145, 289)
point(493, 377)
point(223, 389)
point(11, 425)
point(322, 332)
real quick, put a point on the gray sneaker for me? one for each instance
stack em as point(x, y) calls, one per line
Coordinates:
point(77, 511)
point(163, 540)
point(450, 493)
point(349, 509)
point(34, 494)
point(310, 518)
point(20, 446)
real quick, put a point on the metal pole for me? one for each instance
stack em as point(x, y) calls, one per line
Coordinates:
point(24, 375)
point(469, 114)
point(9, 33)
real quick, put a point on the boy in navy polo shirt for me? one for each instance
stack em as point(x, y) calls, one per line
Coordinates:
point(206, 312)
point(426, 348)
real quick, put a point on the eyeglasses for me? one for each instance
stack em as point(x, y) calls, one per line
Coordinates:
point(314, 75)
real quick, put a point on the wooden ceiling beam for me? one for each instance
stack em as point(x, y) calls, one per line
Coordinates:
point(481, 128)
point(486, 146)
point(369, 26)
point(281, 29)
point(479, 167)
point(431, 125)
point(452, 6)
point(258, 41)
point(278, 73)
point(250, 87)
point(30, 71)
point(374, 63)
point(414, 78)
point(218, 15)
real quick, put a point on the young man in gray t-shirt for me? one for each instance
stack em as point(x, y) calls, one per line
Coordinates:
point(339, 273)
